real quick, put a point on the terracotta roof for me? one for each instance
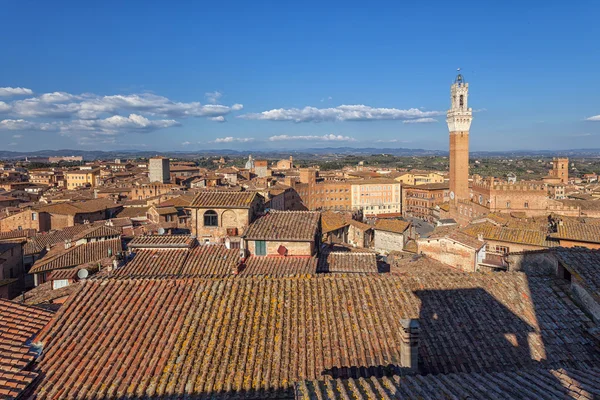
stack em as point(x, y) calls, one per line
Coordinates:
point(347, 262)
point(166, 210)
point(79, 207)
point(180, 201)
point(579, 232)
point(279, 266)
point(58, 257)
point(17, 234)
point(415, 265)
point(217, 199)
point(71, 273)
point(254, 337)
point(465, 239)
point(285, 225)
point(210, 260)
point(98, 231)
point(583, 264)
point(44, 296)
point(162, 242)
point(522, 384)
point(18, 325)
point(534, 237)
point(332, 221)
point(154, 263)
point(391, 225)
point(132, 212)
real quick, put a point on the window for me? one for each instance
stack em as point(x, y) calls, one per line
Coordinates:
point(34, 216)
point(508, 204)
point(260, 248)
point(526, 204)
point(211, 218)
point(462, 100)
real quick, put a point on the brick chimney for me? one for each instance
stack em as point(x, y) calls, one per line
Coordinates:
point(409, 350)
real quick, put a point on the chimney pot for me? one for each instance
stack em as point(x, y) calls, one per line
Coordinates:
point(409, 351)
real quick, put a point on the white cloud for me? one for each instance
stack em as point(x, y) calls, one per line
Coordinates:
point(115, 125)
point(17, 136)
point(13, 144)
point(186, 143)
point(102, 115)
point(340, 113)
point(213, 97)
point(594, 118)
point(23, 125)
point(18, 91)
point(420, 121)
point(231, 139)
point(324, 138)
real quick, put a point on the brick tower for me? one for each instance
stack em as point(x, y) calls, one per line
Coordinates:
point(459, 122)
point(560, 169)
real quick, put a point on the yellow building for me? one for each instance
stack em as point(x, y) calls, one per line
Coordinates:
point(420, 178)
point(79, 178)
point(377, 196)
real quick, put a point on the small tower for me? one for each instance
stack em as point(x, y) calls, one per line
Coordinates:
point(560, 169)
point(459, 119)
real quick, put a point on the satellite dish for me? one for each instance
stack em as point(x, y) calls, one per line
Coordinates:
point(82, 273)
point(161, 231)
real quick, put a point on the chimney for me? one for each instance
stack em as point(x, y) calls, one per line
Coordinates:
point(409, 350)
point(480, 237)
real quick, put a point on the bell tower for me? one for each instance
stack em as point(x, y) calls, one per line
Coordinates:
point(459, 119)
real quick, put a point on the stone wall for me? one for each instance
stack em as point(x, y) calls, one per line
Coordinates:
point(534, 263)
point(227, 218)
point(21, 220)
point(589, 302)
point(389, 241)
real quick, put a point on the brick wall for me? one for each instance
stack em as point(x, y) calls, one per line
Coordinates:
point(449, 252)
point(21, 220)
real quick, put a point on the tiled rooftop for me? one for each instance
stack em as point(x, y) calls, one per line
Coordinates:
point(391, 225)
point(285, 226)
point(162, 241)
point(257, 336)
point(154, 263)
point(584, 264)
point(18, 325)
point(490, 231)
point(578, 232)
point(58, 257)
point(535, 383)
point(347, 262)
point(217, 199)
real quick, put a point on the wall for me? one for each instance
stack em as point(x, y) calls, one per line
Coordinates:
point(227, 218)
point(388, 241)
point(586, 300)
point(23, 219)
point(533, 263)
point(448, 252)
point(14, 261)
point(294, 248)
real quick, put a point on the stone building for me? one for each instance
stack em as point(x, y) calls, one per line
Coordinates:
point(285, 164)
point(377, 197)
point(392, 234)
point(454, 248)
point(159, 170)
point(284, 233)
point(420, 178)
point(217, 215)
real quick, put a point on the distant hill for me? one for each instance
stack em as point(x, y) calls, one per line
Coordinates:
point(305, 153)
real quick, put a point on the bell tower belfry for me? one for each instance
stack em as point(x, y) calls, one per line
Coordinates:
point(459, 119)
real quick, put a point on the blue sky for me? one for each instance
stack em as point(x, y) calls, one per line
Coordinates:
point(293, 75)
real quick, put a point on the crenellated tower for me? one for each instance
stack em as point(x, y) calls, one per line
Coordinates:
point(459, 119)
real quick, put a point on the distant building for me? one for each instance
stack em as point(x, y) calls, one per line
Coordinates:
point(82, 178)
point(285, 164)
point(159, 170)
point(65, 158)
point(559, 172)
point(261, 168)
point(420, 178)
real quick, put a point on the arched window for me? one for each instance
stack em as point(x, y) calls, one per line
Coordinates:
point(211, 218)
point(461, 100)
